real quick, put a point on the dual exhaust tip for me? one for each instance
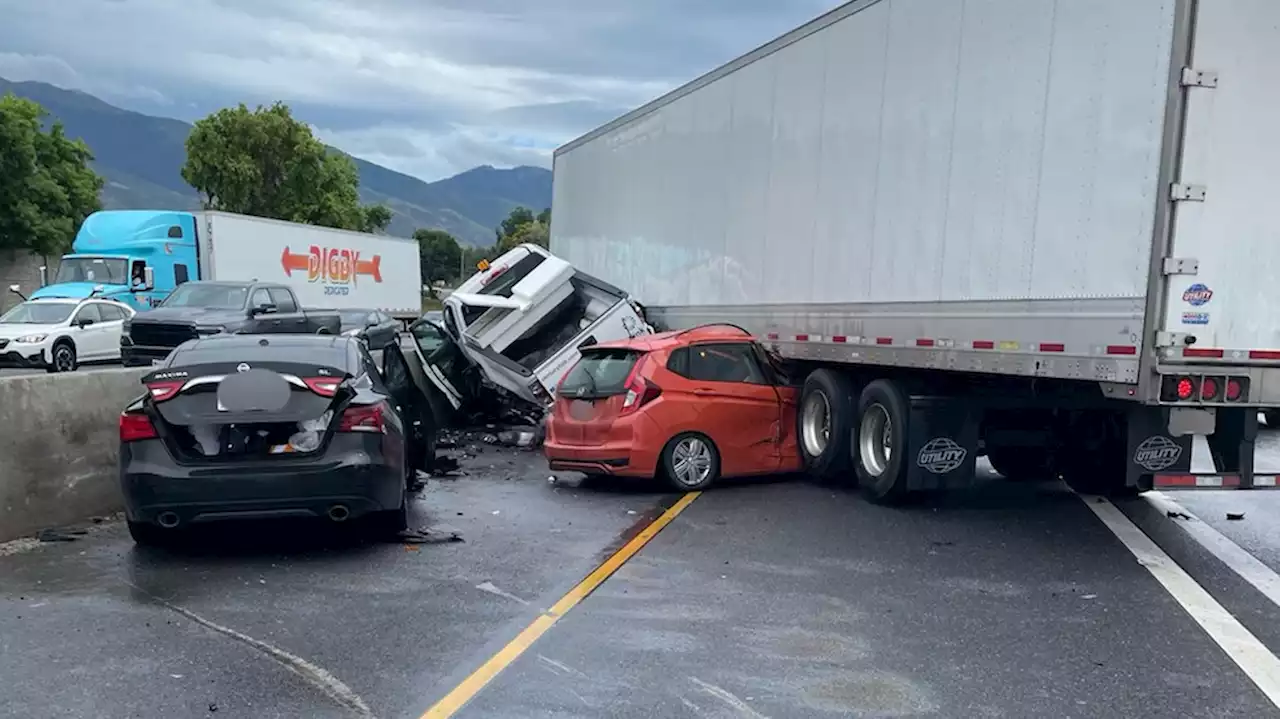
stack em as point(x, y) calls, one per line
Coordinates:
point(336, 513)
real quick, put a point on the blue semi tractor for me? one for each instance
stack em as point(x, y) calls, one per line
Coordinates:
point(132, 256)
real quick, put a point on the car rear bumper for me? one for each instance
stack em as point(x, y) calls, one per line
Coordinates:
point(270, 490)
point(612, 460)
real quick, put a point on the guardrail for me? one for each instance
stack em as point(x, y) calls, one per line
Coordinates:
point(59, 440)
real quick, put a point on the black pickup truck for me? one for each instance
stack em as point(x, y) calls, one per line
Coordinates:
point(202, 309)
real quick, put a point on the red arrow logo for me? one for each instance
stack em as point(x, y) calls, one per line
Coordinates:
point(373, 268)
point(291, 261)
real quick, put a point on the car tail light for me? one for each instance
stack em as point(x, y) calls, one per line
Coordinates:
point(361, 418)
point(136, 426)
point(168, 389)
point(639, 390)
point(323, 386)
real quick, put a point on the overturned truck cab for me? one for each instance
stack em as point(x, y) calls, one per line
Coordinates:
point(523, 318)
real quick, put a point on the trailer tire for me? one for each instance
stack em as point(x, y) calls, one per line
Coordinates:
point(1021, 463)
point(1095, 459)
point(825, 424)
point(1271, 417)
point(881, 443)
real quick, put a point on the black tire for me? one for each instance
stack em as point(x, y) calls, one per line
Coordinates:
point(390, 523)
point(1021, 463)
point(149, 535)
point(63, 357)
point(889, 485)
point(1095, 460)
point(834, 456)
point(697, 479)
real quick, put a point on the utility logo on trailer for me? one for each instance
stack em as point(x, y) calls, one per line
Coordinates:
point(1197, 295)
point(941, 455)
point(338, 269)
point(1156, 453)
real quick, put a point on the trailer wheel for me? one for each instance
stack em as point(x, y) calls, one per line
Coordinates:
point(1271, 417)
point(1018, 463)
point(1094, 459)
point(882, 442)
point(824, 423)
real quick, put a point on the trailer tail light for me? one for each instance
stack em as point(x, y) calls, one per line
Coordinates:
point(161, 391)
point(1203, 388)
point(135, 426)
point(1210, 387)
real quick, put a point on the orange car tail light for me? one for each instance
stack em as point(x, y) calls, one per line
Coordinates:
point(639, 391)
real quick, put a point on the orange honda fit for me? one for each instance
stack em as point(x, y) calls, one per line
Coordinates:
point(690, 406)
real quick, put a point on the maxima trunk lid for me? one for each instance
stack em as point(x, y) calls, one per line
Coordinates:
point(234, 411)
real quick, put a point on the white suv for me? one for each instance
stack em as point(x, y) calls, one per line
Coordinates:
point(59, 334)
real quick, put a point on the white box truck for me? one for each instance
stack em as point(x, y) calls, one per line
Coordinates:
point(1036, 229)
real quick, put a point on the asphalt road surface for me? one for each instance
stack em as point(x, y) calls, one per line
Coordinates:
point(778, 599)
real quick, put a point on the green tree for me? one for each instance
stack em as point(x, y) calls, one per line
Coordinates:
point(517, 217)
point(441, 255)
point(46, 185)
point(262, 162)
point(523, 226)
point(533, 232)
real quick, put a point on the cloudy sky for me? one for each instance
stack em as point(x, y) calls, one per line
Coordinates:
point(427, 87)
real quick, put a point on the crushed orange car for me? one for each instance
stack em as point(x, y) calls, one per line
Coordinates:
point(689, 406)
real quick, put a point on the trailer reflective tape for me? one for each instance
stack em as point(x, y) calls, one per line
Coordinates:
point(1008, 345)
point(884, 340)
point(802, 338)
point(772, 335)
point(984, 345)
point(1122, 350)
point(1052, 347)
point(1264, 354)
point(1204, 352)
point(839, 339)
point(1210, 481)
point(924, 343)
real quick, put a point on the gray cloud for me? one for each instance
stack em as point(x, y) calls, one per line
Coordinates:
point(427, 87)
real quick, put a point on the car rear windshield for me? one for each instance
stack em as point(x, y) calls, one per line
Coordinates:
point(210, 352)
point(600, 372)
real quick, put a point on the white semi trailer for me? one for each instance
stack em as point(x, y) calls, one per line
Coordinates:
point(1043, 230)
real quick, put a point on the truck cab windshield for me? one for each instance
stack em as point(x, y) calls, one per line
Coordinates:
point(208, 296)
point(106, 271)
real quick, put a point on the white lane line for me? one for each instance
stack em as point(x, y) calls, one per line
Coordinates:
point(1262, 577)
point(1251, 655)
point(316, 676)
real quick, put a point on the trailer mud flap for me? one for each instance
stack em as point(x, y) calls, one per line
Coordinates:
point(1151, 450)
point(942, 447)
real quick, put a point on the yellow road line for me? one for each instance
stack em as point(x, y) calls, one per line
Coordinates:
point(477, 680)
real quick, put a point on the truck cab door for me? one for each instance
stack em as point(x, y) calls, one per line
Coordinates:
point(289, 318)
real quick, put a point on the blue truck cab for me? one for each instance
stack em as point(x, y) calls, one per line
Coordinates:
point(132, 256)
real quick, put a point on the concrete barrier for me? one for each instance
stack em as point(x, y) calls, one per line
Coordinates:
point(59, 440)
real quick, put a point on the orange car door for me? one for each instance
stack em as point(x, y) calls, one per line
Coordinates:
point(737, 406)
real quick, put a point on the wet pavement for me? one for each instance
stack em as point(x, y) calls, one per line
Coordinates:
point(780, 598)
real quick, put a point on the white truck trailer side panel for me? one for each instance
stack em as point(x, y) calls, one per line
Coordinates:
point(327, 268)
point(1231, 149)
point(964, 171)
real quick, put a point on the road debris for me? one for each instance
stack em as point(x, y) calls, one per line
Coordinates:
point(1235, 516)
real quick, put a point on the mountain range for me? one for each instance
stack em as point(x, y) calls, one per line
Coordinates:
point(141, 157)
